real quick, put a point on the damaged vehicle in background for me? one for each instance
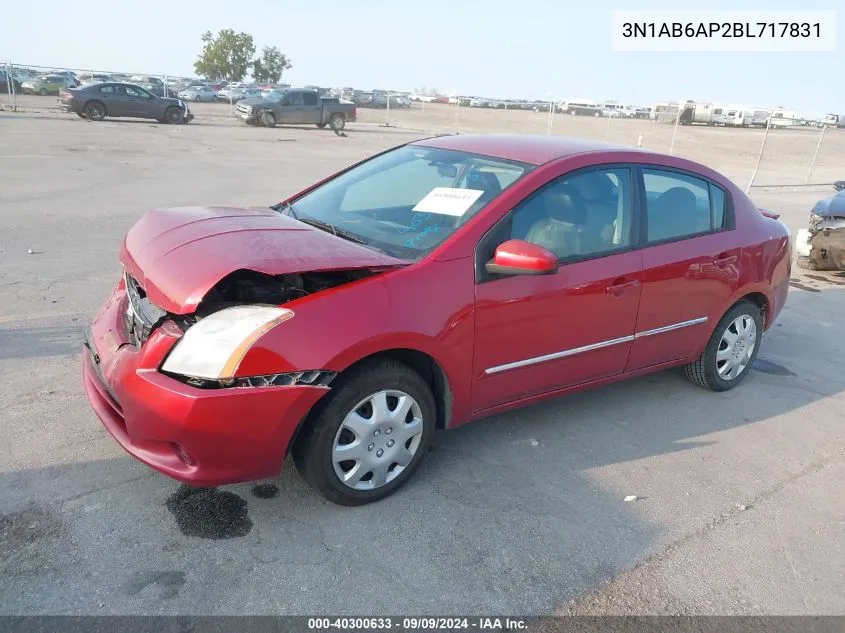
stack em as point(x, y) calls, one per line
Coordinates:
point(822, 245)
point(425, 287)
point(297, 106)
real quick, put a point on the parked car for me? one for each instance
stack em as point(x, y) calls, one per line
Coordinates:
point(47, 85)
point(584, 108)
point(94, 78)
point(428, 286)
point(237, 94)
point(149, 83)
point(821, 246)
point(198, 93)
point(296, 107)
point(98, 101)
point(7, 86)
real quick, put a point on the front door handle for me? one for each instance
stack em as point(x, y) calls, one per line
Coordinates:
point(619, 286)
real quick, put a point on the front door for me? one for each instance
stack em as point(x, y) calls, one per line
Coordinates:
point(290, 110)
point(691, 259)
point(536, 334)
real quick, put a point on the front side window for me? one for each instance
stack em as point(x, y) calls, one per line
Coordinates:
point(408, 200)
point(580, 215)
point(677, 205)
point(293, 99)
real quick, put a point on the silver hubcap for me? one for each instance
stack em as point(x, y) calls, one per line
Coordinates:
point(736, 347)
point(377, 440)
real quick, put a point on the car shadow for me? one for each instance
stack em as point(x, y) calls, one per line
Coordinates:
point(512, 514)
point(37, 342)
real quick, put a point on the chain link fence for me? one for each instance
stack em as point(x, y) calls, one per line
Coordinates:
point(795, 155)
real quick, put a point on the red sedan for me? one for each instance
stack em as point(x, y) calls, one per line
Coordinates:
point(426, 287)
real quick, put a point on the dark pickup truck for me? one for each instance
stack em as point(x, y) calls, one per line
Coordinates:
point(296, 107)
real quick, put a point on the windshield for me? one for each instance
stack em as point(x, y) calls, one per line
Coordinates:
point(407, 201)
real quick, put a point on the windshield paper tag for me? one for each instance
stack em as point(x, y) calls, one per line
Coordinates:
point(448, 201)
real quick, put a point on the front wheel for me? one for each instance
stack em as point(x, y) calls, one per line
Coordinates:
point(174, 115)
point(731, 351)
point(369, 436)
point(43, 92)
point(268, 119)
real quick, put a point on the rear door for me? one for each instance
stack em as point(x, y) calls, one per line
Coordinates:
point(312, 110)
point(691, 260)
point(112, 97)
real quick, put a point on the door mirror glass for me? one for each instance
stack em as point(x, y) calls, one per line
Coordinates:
point(518, 257)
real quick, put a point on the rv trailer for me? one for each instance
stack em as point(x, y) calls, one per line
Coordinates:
point(696, 113)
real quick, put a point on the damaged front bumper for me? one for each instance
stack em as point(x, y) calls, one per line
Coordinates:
point(203, 437)
point(822, 245)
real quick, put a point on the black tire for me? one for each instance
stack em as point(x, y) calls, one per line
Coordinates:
point(703, 372)
point(43, 92)
point(312, 452)
point(95, 111)
point(174, 115)
point(337, 122)
point(267, 118)
point(321, 125)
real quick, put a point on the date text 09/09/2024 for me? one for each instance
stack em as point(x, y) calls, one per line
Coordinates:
point(416, 624)
point(722, 29)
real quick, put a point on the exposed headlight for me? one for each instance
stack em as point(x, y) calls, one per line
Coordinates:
point(213, 347)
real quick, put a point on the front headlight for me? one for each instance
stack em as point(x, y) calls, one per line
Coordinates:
point(213, 347)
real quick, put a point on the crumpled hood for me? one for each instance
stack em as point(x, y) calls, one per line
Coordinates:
point(260, 102)
point(179, 254)
point(831, 207)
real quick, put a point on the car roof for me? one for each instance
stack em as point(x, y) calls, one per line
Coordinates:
point(525, 148)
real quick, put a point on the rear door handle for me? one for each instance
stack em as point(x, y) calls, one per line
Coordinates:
point(724, 260)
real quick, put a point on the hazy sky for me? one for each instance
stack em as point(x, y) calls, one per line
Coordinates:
point(519, 48)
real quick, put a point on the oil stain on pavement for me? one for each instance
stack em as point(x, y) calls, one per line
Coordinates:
point(209, 513)
point(265, 491)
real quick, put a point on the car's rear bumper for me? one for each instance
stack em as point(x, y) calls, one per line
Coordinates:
point(203, 437)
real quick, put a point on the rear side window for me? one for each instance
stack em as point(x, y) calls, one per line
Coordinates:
point(718, 208)
point(677, 205)
point(310, 98)
point(106, 90)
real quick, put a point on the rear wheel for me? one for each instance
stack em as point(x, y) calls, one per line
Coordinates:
point(337, 122)
point(731, 351)
point(95, 111)
point(369, 436)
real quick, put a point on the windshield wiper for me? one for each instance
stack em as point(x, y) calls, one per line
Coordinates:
point(331, 228)
point(325, 226)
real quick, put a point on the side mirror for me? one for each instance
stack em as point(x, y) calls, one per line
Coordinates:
point(518, 257)
point(839, 185)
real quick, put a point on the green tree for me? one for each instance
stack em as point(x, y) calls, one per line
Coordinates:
point(227, 55)
point(270, 66)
